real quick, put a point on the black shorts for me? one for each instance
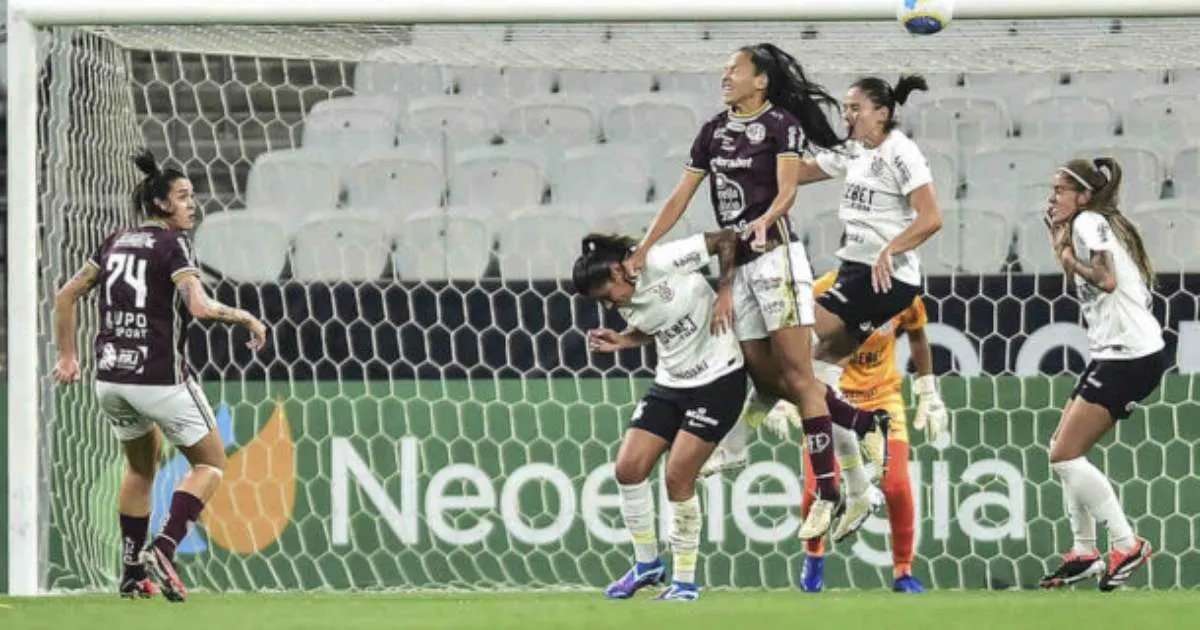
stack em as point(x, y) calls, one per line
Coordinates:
point(707, 412)
point(1120, 384)
point(860, 308)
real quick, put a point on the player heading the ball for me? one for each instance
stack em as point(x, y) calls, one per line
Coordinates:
point(699, 385)
point(142, 381)
point(751, 151)
point(1103, 253)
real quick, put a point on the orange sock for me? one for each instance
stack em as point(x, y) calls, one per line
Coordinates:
point(897, 490)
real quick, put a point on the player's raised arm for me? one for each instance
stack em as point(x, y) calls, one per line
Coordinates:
point(677, 203)
point(66, 369)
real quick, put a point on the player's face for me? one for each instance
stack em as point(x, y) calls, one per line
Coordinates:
point(1065, 200)
point(616, 292)
point(181, 204)
point(863, 118)
point(740, 82)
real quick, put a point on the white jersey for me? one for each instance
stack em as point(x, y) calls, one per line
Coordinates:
point(874, 207)
point(1120, 324)
point(674, 303)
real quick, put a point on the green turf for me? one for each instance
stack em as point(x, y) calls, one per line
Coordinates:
point(729, 610)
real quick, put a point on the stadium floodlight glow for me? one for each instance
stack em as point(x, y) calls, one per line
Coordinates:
point(29, 337)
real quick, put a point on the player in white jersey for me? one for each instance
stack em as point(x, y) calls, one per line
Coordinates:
point(698, 389)
point(1102, 251)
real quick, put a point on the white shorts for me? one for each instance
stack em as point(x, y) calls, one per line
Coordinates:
point(773, 291)
point(181, 411)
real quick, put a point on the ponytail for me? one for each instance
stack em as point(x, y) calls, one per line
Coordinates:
point(154, 187)
point(600, 252)
point(887, 97)
point(789, 88)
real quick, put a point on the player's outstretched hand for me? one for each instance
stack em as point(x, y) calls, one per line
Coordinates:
point(635, 262)
point(756, 233)
point(605, 340)
point(66, 371)
point(881, 273)
point(722, 313)
point(931, 416)
point(258, 335)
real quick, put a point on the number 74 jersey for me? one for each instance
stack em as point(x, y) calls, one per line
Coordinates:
point(141, 339)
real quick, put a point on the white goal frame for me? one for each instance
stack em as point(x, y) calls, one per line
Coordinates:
point(26, 16)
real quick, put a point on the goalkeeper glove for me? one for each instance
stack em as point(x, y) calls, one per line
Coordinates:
point(931, 411)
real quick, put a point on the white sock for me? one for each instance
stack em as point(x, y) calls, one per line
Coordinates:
point(734, 442)
point(637, 506)
point(845, 448)
point(830, 374)
point(1094, 492)
point(1083, 525)
point(685, 539)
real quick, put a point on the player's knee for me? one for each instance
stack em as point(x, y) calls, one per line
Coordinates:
point(628, 472)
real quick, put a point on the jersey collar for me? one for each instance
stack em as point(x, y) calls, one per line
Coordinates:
point(736, 117)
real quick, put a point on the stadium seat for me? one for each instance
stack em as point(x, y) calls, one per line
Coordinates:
point(1167, 119)
point(1063, 120)
point(662, 118)
point(1142, 170)
point(701, 86)
point(818, 197)
point(822, 235)
point(601, 176)
point(403, 81)
point(666, 168)
point(340, 246)
point(1034, 252)
point(343, 129)
point(604, 87)
point(296, 181)
point(1185, 172)
point(395, 182)
point(1010, 88)
point(243, 246)
point(1117, 86)
point(568, 120)
point(444, 244)
point(1171, 232)
point(944, 167)
point(942, 253)
point(506, 82)
point(986, 232)
point(996, 173)
point(968, 121)
point(500, 178)
point(466, 121)
point(540, 243)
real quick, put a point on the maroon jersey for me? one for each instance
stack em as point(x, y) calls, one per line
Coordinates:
point(740, 154)
point(142, 322)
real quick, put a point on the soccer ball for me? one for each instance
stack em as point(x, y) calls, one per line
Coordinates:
point(925, 17)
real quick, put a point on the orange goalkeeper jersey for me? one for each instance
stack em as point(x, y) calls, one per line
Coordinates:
point(871, 375)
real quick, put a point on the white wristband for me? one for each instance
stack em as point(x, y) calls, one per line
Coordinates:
point(925, 385)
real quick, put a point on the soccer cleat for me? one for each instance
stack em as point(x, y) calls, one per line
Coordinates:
point(812, 579)
point(820, 517)
point(782, 415)
point(637, 578)
point(1121, 565)
point(907, 584)
point(721, 460)
point(754, 411)
point(137, 589)
point(1074, 568)
point(679, 592)
point(874, 444)
point(856, 511)
point(161, 569)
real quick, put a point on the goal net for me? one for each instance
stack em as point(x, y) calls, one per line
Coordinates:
point(400, 203)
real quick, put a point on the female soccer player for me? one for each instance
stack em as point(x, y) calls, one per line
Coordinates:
point(1101, 250)
point(753, 151)
point(872, 381)
point(142, 380)
point(699, 386)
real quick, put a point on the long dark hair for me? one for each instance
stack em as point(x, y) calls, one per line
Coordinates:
point(593, 268)
point(1106, 188)
point(885, 96)
point(788, 87)
point(155, 185)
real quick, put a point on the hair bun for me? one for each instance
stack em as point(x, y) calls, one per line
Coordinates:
point(146, 163)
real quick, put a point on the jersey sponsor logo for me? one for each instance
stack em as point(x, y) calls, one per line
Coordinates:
point(866, 359)
point(690, 373)
point(127, 325)
point(732, 164)
point(902, 170)
point(766, 284)
point(135, 240)
point(673, 333)
point(731, 199)
point(756, 133)
point(793, 139)
point(698, 418)
point(1102, 231)
point(858, 197)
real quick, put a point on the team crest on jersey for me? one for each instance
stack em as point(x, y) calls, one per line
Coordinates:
point(877, 166)
point(756, 133)
point(663, 292)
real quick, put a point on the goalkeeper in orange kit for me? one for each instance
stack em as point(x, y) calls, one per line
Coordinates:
point(871, 381)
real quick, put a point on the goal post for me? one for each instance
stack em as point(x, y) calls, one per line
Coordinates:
point(34, 267)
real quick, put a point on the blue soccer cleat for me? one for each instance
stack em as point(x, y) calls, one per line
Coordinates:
point(907, 584)
point(812, 579)
point(642, 574)
point(679, 592)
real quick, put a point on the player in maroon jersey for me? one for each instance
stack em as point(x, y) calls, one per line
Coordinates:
point(751, 153)
point(142, 380)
